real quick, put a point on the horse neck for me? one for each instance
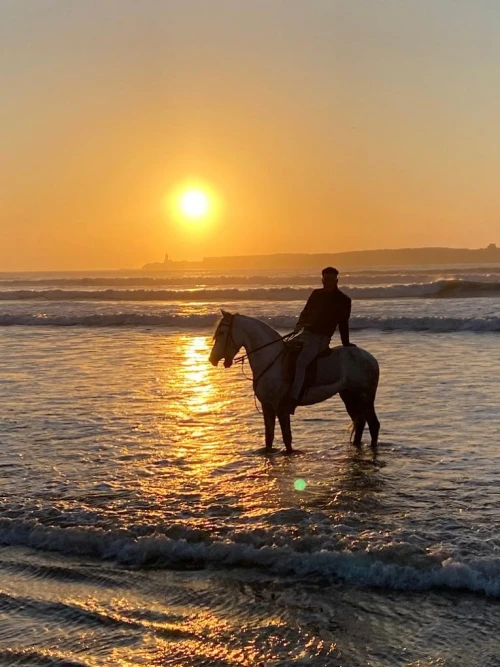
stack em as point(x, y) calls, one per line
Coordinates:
point(255, 334)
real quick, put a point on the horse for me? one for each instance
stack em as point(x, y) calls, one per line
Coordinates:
point(349, 371)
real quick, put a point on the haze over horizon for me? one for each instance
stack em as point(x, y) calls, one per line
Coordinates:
point(319, 126)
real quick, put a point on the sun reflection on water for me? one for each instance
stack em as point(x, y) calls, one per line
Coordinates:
point(194, 374)
point(200, 398)
point(206, 432)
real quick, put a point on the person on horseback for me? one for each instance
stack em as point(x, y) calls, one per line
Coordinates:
point(325, 309)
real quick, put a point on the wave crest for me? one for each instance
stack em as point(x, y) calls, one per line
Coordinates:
point(282, 322)
point(436, 289)
point(353, 567)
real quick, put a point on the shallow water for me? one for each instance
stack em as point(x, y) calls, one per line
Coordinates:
point(141, 523)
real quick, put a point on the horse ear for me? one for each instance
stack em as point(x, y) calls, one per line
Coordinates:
point(224, 312)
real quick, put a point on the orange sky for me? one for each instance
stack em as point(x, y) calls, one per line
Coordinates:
point(322, 126)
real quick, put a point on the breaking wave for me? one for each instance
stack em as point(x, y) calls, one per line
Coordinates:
point(436, 289)
point(431, 324)
point(359, 567)
point(361, 277)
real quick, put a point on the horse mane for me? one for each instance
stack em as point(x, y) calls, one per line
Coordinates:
point(218, 322)
point(261, 322)
point(248, 317)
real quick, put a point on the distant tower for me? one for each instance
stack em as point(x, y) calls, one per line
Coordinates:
point(166, 258)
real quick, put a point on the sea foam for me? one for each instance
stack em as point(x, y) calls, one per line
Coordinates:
point(206, 322)
point(435, 289)
point(359, 567)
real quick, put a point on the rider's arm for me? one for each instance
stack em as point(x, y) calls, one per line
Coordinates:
point(344, 325)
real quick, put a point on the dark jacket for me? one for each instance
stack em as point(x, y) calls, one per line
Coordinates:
point(324, 311)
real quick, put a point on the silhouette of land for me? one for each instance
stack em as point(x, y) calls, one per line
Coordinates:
point(354, 258)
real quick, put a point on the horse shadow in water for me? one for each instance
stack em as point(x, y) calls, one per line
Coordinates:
point(351, 372)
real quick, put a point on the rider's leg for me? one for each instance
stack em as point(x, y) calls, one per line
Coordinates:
point(313, 345)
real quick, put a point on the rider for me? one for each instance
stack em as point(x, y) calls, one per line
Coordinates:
point(325, 309)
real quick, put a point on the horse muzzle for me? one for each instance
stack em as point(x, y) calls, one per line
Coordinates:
point(213, 360)
point(228, 363)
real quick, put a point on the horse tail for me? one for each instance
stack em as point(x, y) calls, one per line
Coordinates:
point(350, 429)
point(355, 404)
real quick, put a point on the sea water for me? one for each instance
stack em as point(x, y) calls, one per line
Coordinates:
point(141, 523)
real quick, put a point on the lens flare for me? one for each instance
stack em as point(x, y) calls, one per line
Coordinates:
point(300, 484)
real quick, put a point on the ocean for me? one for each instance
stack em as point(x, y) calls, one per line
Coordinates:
point(141, 523)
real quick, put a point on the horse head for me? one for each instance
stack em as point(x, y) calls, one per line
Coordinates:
point(226, 343)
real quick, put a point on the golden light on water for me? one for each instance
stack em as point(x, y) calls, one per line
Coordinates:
point(195, 379)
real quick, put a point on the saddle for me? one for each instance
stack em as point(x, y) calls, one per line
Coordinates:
point(292, 351)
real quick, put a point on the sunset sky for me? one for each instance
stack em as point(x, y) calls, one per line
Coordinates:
point(311, 125)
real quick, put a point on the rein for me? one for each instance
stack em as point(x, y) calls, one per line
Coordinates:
point(256, 379)
point(242, 358)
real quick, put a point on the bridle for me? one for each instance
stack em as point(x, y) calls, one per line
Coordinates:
point(229, 335)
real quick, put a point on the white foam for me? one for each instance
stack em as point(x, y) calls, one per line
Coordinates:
point(437, 288)
point(359, 568)
point(431, 324)
point(200, 279)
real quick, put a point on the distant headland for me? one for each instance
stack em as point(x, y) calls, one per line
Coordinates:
point(354, 258)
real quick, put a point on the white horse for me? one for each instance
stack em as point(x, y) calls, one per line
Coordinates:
point(349, 371)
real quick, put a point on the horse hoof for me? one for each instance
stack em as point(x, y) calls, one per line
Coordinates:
point(292, 452)
point(267, 451)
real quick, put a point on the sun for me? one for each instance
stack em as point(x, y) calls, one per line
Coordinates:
point(194, 204)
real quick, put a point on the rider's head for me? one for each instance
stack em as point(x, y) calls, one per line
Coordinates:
point(329, 278)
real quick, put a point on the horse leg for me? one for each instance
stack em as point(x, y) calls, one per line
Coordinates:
point(373, 425)
point(286, 430)
point(359, 423)
point(269, 424)
point(356, 412)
